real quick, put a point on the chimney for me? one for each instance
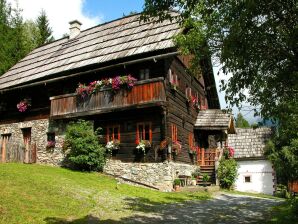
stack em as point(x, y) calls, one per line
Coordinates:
point(74, 29)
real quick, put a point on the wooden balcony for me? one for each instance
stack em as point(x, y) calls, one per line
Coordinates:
point(145, 93)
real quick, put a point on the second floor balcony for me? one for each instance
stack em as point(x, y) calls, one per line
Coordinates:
point(145, 93)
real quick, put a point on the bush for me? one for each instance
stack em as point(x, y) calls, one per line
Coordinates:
point(177, 182)
point(83, 149)
point(227, 173)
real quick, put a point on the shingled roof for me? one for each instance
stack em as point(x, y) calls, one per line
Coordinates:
point(215, 119)
point(110, 41)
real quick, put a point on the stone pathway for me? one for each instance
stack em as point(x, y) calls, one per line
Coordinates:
point(222, 209)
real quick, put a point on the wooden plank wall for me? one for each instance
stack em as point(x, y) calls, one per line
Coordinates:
point(180, 113)
point(128, 125)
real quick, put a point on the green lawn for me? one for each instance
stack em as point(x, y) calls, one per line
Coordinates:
point(43, 194)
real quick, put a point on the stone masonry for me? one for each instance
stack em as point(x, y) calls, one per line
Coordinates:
point(39, 130)
point(158, 175)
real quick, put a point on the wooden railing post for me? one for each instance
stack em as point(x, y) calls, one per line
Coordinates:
point(203, 156)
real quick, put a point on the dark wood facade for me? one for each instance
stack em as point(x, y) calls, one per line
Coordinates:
point(152, 101)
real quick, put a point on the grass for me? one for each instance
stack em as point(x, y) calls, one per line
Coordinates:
point(286, 213)
point(43, 194)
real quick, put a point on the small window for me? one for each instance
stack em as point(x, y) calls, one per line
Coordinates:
point(144, 131)
point(113, 133)
point(51, 136)
point(173, 78)
point(247, 179)
point(174, 133)
point(204, 105)
point(144, 74)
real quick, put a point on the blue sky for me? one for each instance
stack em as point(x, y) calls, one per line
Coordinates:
point(111, 9)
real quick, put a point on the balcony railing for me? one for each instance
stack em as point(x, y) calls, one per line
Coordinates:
point(145, 93)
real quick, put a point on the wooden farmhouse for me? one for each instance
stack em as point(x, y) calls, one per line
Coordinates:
point(39, 96)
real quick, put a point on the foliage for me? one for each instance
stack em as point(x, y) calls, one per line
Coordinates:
point(45, 31)
point(256, 43)
point(115, 83)
point(286, 213)
point(241, 122)
point(143, 145)
point(228, 152)
point(227, 173)
point(33, 193)
point(196, 173)
point(177, 182)
point(206, 178)
point(112, 145)
point(84, 151)
point(18, 37)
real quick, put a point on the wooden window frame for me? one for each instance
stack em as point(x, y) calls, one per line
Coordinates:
point(174, 133)
point(247, 176)
point(113, 134)
point(173, 78)
point(144, 124)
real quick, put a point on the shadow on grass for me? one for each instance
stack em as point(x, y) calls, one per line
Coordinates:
point(224, 209)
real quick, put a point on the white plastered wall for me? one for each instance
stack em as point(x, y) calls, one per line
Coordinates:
point(260, 173)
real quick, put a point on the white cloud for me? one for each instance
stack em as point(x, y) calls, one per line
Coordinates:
point(59, 12)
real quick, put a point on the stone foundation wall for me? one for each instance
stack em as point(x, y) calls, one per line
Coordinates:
point(158, 175)
point(39, 130)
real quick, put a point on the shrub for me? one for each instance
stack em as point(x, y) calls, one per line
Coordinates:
point(177, 182)
point(83, 149)
point(227, 173)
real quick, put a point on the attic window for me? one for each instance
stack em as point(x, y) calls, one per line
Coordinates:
point(144, 74)
point(247, 179)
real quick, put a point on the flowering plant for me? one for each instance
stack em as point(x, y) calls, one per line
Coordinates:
point(143, 145)
point(228, 152)
point(113, 145)
point(23, 105)
point(115, 83)
point(51, 144)
point(174, 85)
point(176, 147)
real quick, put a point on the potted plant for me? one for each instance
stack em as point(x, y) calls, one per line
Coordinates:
point(143, 145)
point(112, 145)
point(24, 104)
point(193, 181)
point(50, 145)
point(205, 179)
point(177, 184)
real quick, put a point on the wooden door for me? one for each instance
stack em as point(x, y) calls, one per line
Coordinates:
point(4, 140)
point(27, 141)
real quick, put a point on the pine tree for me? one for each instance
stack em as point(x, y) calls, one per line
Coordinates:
point(241, 122)
point(45, 31)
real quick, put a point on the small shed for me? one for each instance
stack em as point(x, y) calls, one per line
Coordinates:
point(255, 172)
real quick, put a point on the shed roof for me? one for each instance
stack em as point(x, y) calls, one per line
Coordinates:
point(117, 39)
point(215, 119)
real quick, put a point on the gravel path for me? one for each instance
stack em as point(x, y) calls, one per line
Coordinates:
point(223, 208)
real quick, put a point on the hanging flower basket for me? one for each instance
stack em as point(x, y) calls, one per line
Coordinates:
point(23, 105)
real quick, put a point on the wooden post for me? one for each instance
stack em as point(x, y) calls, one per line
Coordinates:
point(203, 157)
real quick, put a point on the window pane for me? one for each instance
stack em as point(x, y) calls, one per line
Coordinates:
point(116, 129)
point(147, 132)
point(141, 131)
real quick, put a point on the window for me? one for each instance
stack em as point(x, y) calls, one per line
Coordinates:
point(144, 74)
point(174, 132)
point(188, 93)
point(191, 140)
point(247, 179)
point(113, 133)
point(144, 131)
point(204, 105)
point(173, 78)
